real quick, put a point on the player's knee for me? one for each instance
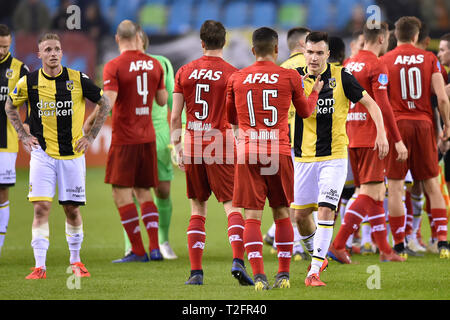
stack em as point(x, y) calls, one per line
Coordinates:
point(163, 190)
point(3, 195)
point(41, 208)
point(302, 215)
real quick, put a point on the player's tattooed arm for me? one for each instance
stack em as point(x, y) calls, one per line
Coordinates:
point(104, 107)
point(14, 117)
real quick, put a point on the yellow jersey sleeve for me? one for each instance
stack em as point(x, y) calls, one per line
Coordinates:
point(20, 93)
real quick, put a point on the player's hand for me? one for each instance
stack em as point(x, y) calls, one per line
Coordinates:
point(318, 85)
point(83, 144)
point(30, 142)
point(443, 146)
point(381, 143)
point(401, 151)
point(445, 134)
point(179, 155)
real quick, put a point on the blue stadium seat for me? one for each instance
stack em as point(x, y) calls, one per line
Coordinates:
point(319, 16)
point(179, 20)
point(107, 10)
point(236, 14)
point(263, 13)
point(125, 9)
point(206, 10)
point(52, 5)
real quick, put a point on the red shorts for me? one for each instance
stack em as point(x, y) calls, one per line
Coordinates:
point(366, 166)
point(132, 165)
point(419, 138)
point(202, 179)
point(251, 188)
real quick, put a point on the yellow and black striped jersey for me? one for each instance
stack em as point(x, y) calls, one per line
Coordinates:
point(11, 70)
point(56, 107)
point(323, 135)
point(296, 60)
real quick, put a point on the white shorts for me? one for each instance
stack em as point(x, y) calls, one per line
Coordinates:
point(46, 172)
point(319, 184)
point(7, 169)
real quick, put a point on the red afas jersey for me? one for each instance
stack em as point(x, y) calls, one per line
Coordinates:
point(372, 75)
point(258, 100)
point(135, 77)
point(409, 87)
point(203, 84)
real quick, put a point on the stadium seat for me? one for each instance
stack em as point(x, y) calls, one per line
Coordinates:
point(152, 17)
point(291, 15)
point(263, 13)
point(107, 10)
point(52, 5)
point(125, 9)
point(235, 15)
point(206, 10)
point(319, 16)
point(179, 20)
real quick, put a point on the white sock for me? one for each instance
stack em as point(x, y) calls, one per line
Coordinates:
point(365, 232)
point(74, 237)
point(271, 231)
point(4, 219)
point(309, 241)
point(40, 243)
point(322, 240)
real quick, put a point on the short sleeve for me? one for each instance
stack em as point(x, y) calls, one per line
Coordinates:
point(352, 89)
point(230, 103)
point(178, 88)
point(110, 81)
point(90, 90)
point(20, 93)
point(24, 70)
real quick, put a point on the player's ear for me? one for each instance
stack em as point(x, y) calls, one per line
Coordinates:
point(116, 38)
point(276, 49)
point(253, 51)
point(203, 44)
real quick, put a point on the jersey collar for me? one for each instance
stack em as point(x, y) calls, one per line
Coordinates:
point(50, 77)
point(6, 57)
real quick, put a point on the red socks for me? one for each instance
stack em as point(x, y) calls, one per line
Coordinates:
point(440, 221)
point(352, 219)
point(236, 234)
point(130, 221)
point(196, 241)
point(253, 242)
point(284, 238)
point(377, 220)
point(150, 217)
point(397, 228)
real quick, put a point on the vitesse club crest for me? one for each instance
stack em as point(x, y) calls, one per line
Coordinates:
point(69, 85)
point(332, 83)
point(9, 73)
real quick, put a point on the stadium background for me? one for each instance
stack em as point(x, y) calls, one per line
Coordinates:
point(173, 29)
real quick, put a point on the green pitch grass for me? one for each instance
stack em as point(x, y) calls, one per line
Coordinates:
point(418, 278)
